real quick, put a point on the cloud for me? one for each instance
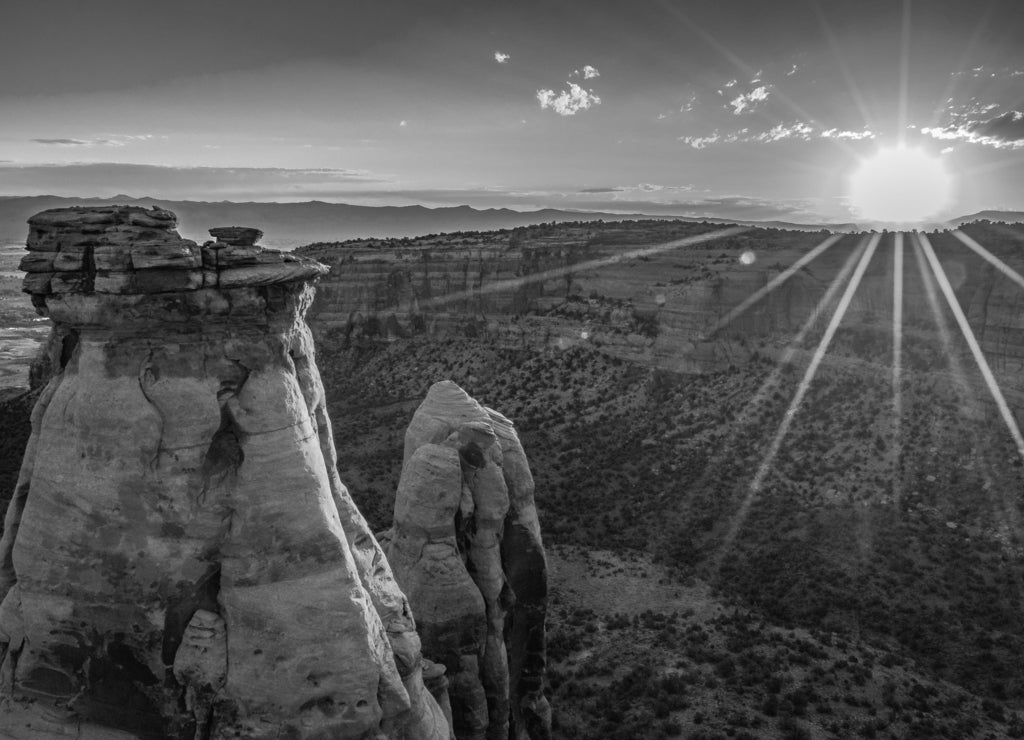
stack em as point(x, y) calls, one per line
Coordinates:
point(62, 142)
point(835, 133)
point(795, 131)
point(78, 142)
point(501, 57)
point(590, 73)
point(750, 100)
point(568, 102)
point(1005, 131)
point(403, 124)
point(731, 83)
point(601, 190)
point(792, 71)
point(701, 142)
point(1009, 127)
point(798, 130)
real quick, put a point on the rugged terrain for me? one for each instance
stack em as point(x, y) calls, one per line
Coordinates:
point(870, 587)
point(899, 541)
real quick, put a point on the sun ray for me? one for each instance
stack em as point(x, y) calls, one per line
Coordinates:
point(851, 83)
point(897, 361)
point(793, 346)
point(771, 285)
point(968, 397)
point(972, 343)
point(989, 257)
point(805, 383)
point(904, 71)
point(512, 283)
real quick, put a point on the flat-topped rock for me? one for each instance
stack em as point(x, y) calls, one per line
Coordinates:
point(236, 236)
point(133, 250)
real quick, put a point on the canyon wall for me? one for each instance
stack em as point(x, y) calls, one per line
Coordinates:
point(615, 288)
point(180, 558)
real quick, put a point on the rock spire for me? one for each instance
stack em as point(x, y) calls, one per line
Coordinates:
point(180, 558)
point(466, 548)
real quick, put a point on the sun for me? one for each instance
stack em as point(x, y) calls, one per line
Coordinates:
point(900, 185)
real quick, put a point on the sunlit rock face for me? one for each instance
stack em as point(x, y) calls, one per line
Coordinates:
point(466, 548)
point(180, 558)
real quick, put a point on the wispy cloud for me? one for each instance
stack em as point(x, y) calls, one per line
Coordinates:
point(794, 131)
point(983, 71)
point(78, 142)
point(701, 142)
point(501, 57)
point(835, 133)
point(115, 140)
point(1005, 131)
point(588, 72)
point(568, 102)
point(749, 101)
point(792, 71)
point(63, 142)
point(780, 132)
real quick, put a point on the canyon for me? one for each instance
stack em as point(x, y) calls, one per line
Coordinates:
point(666, 295)
point(646, 399)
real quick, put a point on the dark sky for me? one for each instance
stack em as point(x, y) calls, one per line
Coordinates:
point(754, 109)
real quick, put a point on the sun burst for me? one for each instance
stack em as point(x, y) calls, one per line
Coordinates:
point(900, 185)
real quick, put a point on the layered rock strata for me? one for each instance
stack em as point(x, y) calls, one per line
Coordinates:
point(466, 548)
point(180, 558)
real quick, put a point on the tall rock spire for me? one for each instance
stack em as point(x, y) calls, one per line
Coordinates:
point(466, 547)
point(180, 558)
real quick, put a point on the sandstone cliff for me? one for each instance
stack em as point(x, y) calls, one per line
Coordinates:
point(180, 558)
point(551, 287)
point(466, 548)
point(554, 286)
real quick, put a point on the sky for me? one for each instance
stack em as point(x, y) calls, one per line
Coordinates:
point(729, 108)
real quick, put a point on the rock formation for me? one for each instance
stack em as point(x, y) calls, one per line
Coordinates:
point(180, 558)
point(466, 549)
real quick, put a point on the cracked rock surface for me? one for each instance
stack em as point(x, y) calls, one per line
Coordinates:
point(180, 558)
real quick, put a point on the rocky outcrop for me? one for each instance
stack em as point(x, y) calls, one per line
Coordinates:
point(180, 558)
point(466, 548)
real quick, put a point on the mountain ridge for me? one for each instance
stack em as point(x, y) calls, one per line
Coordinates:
point(287, 225)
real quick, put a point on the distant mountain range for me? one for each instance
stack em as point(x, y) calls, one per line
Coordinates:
point(288, 225)
point(1005, 216)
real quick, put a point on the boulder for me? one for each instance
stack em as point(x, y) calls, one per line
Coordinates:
point(239, 236)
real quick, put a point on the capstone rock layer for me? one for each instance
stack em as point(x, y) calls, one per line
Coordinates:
point(466, 548)
point(180, 558)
